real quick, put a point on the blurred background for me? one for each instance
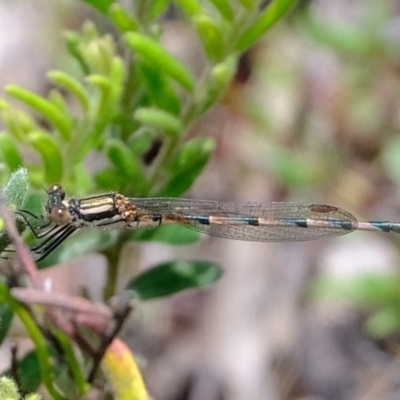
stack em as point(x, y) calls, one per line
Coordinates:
point(313, 115)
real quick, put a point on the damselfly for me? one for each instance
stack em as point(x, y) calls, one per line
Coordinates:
point(276, 221)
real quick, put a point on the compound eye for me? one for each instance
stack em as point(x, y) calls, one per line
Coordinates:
point(60, 215)
point(57, 190)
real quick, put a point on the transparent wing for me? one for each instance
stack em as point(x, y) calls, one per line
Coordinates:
point(277, 221)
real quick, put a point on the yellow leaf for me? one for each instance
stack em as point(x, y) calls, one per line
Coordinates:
point(123, 373)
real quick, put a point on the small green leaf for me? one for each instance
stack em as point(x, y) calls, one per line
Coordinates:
point(211, 36)
point(160, 88)
point(225, 8)
point(29, 371)
point(74, 41)
point(157, 55)
point(187, 166)
point(142, 141)
point(72, 85)
point(98, 51)
point(126, 162)
point(9, 152)
point(173, 277)
point(219, 79)
point(122, 19)
point(109, 179)
point(48, 148)
point(110, 87)
point(160, 119)
point(158, 7)
point(48, 110)
point(171, 233)
point(15, 194)
point(17, 187)
point(18, 122)
point(6, 316)
point(190, 7)
point(100, 5)
point(275, 11)
point(249, 4)
point(101, 81)
point(58, 100)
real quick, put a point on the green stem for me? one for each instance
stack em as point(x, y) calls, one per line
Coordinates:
point(42, 349)
point(79, 377)
point(112, 254)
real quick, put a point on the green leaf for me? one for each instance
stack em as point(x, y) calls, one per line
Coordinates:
point(211, 36)
point(124, 21)
point(160, 89)
point(9, 151)
point(74, 41)
point(100, 5)
point(126, 162)
point(6, 316)
point(58, 100)
point(72, 85)
point(48, 148)
point(249, 4)
point(110, 87)
point(219, 79)
point(98, 51)
point(29, 371)
point(142, 141)
point(17, 187)
point(160, 119)
point(187, 166)
point(272, 14)
point(225, 8)
point(155, 54)
point(48, 110)
point(109, 179)
point(18, 122)
point(15, 194)
point(170, 233)
point(190, 7)
point(173, 277)
point(158, 7)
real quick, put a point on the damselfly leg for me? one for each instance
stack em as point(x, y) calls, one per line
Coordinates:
point(35, 229)
point(57, 236)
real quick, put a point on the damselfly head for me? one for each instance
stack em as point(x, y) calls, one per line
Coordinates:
point(57, 191)
point(56, 195)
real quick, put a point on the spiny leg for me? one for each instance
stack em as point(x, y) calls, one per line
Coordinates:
point(22, 214)
point(51, 243)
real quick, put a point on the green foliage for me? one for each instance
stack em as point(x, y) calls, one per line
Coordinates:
point(15, 194)
point(174, 276)
point(377, 294)
point(121, 108)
